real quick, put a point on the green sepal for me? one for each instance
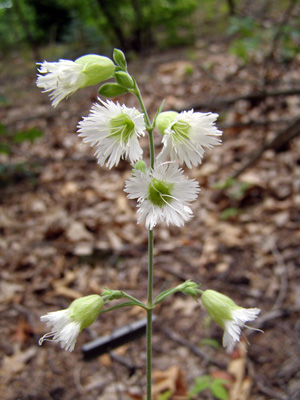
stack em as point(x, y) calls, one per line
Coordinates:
point(119, 58)
point(109, 294)
point(86, 309)
point(164, 120)
point(124, 79)
point(112, 90)
point(140, 166)
point(218, 306)
point(96, 68)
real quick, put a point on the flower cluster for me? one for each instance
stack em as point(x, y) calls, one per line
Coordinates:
point(162, 193)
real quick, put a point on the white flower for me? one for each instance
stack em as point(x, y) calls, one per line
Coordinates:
point(62, 78)
point(65, 77)
point(232, 327)
point(185, 135)
point(114, 129)
point(66, 324)
point(63, 329)
point(223, 310)
point(163, 194)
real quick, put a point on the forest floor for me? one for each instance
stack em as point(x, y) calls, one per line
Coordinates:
point(68, 230)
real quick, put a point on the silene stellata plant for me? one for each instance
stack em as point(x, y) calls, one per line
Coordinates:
point(163, 193)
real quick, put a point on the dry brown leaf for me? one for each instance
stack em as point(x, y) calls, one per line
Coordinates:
point(172, 379)
point(241, 387)
point(12, 365)
point(77, 232)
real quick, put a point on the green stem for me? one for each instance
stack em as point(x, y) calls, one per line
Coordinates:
point(149, 314)
point(149, 126)
point(150, 306)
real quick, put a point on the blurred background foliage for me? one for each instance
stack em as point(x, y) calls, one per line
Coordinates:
point(77, 26)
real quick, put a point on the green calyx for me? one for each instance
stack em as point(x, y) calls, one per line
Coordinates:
point(160, 192)
point(164, 120)
point(86, 309)
point(122, 128)
point(180, 131)
point(218, 306)
point(140, 166)
point(96, 68)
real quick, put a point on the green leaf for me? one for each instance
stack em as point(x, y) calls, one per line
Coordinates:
point(218, 390)
point(112, 90)
point(30, 134)
point(159, 111)
point(3, 131)
point(229, 182)
point(4, 101)
point(229, 212)
point(210, 342)
point(4, 148)
point(165, 395)
point(202, 383)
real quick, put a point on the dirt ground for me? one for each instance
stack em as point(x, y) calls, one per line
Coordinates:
point(68, 230)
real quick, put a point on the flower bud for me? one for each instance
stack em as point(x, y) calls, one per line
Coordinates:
point(164, 120)
point(112, 90)
point(124, 79)
point(120, 59)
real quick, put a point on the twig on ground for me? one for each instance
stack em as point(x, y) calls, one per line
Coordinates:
point(194, 349)
point(221, 103)
point(263, 385)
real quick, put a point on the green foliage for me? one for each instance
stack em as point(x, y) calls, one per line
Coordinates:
point(7, 139)
point(165, 395)
point(229, 212)
point(248, 37)
point(210, 342)
point(29, 135)
point(214, 385)
point(235, 189)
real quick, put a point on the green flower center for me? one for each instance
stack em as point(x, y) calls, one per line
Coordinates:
point(180, 131)
point(122, 128)
point(160, 192)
